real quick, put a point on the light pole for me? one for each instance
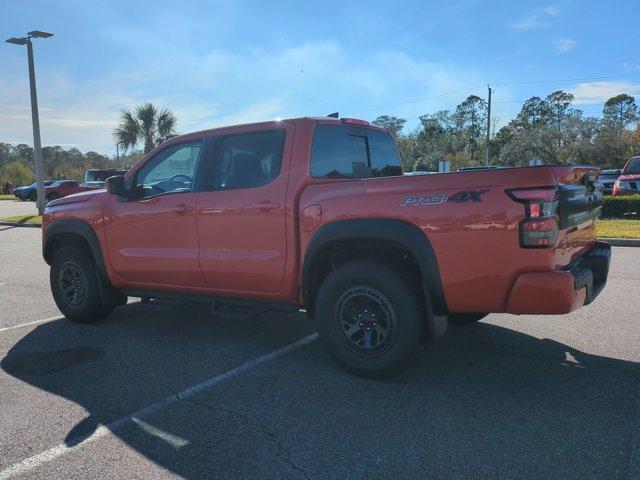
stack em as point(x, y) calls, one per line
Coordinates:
point(37, 147)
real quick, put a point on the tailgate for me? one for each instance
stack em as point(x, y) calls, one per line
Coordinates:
point(580, 200)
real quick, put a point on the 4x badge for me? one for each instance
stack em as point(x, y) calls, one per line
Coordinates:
point(462, 196)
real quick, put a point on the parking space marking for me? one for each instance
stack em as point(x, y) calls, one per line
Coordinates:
point(35, 322)
point(76, 443)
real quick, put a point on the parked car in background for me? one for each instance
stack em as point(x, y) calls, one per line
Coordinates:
point(628, 183)
point(29, 192)
point(608, 178)
point(62, 188)
point(94, 179)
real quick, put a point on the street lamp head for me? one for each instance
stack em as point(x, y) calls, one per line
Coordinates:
point(40, 34)
point(17, 41)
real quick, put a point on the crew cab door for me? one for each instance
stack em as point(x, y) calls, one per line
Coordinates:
point(152, 237)
point(241, 211)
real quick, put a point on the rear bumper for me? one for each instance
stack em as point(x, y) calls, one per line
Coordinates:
point(562, 291)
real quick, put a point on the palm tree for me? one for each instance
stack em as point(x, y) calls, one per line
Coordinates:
point(148, 125)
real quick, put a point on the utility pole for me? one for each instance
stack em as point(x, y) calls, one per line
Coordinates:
point(35, 120)
point(37, 147)
point(486, 153)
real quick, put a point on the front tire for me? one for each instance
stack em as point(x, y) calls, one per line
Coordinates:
point(370, 318)
point(75, 286)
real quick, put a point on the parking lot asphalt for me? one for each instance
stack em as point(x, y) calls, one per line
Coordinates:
point(508, 397)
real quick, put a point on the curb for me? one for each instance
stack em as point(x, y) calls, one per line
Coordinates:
point(622, 242)
point(16, 224)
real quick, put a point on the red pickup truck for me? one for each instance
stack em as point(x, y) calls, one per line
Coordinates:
point(316, 214)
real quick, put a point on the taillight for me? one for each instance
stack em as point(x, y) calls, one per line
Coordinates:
point(539, 228)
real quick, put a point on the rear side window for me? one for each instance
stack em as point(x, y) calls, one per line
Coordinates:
point(248, 160)
point(348, 152)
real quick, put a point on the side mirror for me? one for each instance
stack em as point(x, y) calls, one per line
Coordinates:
point(116, 185)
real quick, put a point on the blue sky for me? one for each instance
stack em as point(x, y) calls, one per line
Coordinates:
point(226, 62)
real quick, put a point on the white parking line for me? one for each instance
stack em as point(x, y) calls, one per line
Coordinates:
point(35, 322)
point(76, 443)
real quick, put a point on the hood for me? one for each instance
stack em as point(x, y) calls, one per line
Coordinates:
point(75, 198)
point(629, 177)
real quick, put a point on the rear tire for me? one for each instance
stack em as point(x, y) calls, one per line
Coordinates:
point(75, 286)
point(466, 318)
point(370, 318)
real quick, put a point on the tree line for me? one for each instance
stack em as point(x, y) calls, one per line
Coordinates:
point(547, 129)
point(17, 163)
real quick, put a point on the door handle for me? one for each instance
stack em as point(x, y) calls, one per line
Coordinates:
point(266, 206)
point(180, 209)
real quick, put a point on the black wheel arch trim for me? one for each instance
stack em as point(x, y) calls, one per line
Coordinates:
point(82, 229)
point(398, 231)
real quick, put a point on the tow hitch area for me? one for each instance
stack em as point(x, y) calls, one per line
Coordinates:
point(590, 271)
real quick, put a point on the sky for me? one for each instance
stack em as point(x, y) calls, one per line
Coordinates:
point(220, 63)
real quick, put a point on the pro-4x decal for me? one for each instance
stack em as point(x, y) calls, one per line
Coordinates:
point(438, 198)
point(468, 195)
point(424, 199)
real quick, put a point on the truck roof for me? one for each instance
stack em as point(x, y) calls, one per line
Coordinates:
point(322, 120)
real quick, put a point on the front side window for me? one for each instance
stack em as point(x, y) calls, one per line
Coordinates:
point(344, 152)
point(170, 171)
point(248, 160)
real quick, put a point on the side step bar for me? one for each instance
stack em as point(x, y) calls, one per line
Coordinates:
point(227, 307)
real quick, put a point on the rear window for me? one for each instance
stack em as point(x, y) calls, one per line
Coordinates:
point(351, 152)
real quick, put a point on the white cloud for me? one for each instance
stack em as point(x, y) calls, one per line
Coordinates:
point(563, 45)
point(599, 92)
point(539, 18)
point(461, 5)
point(221, 88)
point(630, 67)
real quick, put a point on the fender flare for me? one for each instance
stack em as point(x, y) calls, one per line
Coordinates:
point(399, 231)
point(82, 229)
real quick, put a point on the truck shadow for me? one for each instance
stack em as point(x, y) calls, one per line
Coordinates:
point(485, 402)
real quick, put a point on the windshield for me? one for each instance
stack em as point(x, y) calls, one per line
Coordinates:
point(55, 184)
point(608, 176)
point(633, 167)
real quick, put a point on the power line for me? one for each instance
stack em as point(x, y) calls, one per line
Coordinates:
point(606, 77)
point(417, 100)
point(526, 82)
